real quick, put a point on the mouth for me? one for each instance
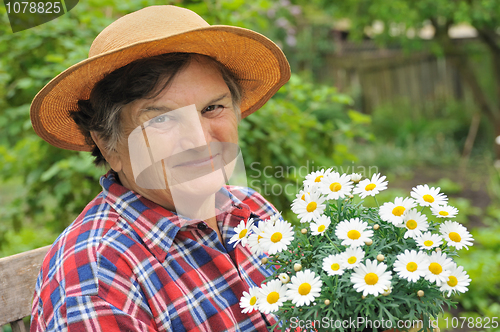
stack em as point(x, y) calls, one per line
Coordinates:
point(199, 162)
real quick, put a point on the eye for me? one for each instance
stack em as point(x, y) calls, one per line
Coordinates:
point(160, 121)
point(212, 110)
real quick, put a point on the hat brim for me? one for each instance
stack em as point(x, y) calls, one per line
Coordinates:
point(260, 66)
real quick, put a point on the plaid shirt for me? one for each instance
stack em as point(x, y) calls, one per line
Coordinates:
point(127, 264)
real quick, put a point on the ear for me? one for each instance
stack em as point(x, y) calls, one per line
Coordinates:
point(111, 155)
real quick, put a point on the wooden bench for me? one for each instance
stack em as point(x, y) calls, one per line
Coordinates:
point(18, 275)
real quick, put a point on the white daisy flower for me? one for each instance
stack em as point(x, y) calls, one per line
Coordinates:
point(371, 278)
point(428, 240)
point(271, 296)
point(356, 177)
point(456, 235)
point(302, 193)
point(277, 237)
point(248, 301)
point(426, 196)
point(411, 265)
point(304, 288)
point(415, 223)
point(335, 186)
point(315, 178)
point(371, 187)
point(444, 211)
point(284, 278)
point(458, 280)
point(353, 232)
point(438, 268)
point(255, 239)
point(333, 265)
point(242, 232)
point(310, 208)
point(394, 212)
point(351, 257)
point(320, 226)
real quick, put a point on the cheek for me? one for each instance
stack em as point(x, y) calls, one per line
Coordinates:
point(226, 130)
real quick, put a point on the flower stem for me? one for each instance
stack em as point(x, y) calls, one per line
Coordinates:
point(375, 198)
point(332, 242)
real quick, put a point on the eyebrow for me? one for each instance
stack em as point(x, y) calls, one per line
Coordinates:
point(165, 109)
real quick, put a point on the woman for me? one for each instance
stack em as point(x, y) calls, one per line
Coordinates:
point(159, 100)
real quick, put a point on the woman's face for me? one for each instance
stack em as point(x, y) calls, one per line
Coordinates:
point(179, 140)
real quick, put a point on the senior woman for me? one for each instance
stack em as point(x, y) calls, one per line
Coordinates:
point(158, 100)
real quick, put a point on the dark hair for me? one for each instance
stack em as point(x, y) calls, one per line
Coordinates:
point(137, 80)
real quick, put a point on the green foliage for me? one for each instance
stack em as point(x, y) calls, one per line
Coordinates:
point(406, 138)
point(494, 187)
point(401, 16)
point(402, 124)
point(482, 262)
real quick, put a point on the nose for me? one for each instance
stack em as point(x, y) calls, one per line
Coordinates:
point(196, 133)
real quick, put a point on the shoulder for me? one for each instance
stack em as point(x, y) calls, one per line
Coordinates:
point(254, 200)
point(75, 259)
point(98, 247)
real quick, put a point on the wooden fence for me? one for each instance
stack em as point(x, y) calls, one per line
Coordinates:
point(378, 77)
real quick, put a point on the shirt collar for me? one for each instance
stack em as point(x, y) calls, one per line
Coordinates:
point(156, 225)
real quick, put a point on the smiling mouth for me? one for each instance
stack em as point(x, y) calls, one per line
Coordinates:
point(198, 162)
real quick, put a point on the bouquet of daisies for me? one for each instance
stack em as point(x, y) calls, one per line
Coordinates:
point(348, 262)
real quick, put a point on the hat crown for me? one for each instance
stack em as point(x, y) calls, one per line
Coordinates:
point(146, 24)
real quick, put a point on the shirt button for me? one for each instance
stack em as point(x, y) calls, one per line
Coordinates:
point(202, 226)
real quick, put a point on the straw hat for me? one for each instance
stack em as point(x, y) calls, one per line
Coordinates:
point(258, 63)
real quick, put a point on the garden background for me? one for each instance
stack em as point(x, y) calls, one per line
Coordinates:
point(408, 88)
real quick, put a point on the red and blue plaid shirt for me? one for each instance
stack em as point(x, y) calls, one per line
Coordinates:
point(127, 264)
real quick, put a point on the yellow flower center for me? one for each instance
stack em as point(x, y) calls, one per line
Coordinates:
point(370, 187)
point(452, 281)
point(371, 278)
point(435, 268)
point(258, 238)
point(273, 297)
point(253, 300)
point(318, 178)
point(303, 197)
point(335, 187)
point(455, 237)
point(428, 243)
point(411, 266)
point(411, 224)
point(321, 228)
point(276, 237)
point(428, 198)
point(311, 206)
point(304, 288)
point(335, 266)
point(353, 234)
point(398, 211)
point(443, 213)
point(243, 233)
point(352, 260)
